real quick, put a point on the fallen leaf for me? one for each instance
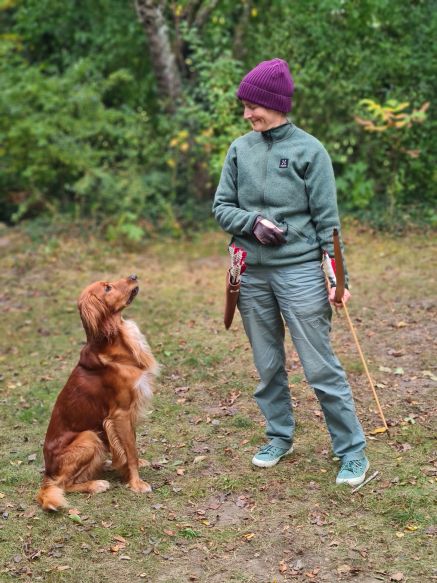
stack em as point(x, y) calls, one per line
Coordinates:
point(397, 576)
point(199, 458)
point(343, 569)
point(283, 566)
point(233, 397)
point(298, 565)
point(377, 430)
point(395, 353)
point(30, 512)
point(428, 373)
point(384, 369)
point(249, 536)
point(75, 518)
point(405, 447)
point(31, 457)
point(116, 548)
point(401, 324)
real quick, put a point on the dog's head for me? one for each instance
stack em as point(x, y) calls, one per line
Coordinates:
point(101, 303)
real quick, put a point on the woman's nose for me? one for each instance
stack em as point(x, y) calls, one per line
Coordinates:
point(247, 113)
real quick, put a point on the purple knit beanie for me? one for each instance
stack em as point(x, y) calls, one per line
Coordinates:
point(269, 84)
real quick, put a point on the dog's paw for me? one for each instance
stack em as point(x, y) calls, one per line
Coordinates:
point(100, 486)
point(139, 486)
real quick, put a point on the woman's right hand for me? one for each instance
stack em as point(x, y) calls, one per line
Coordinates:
point(267, 233)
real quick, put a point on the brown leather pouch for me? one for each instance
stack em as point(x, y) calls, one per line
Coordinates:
point(232, 292)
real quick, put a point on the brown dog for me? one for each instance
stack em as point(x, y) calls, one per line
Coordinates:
point(98, 408)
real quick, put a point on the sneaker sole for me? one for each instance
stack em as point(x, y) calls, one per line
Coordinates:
point(354, 481)
point(266, 464)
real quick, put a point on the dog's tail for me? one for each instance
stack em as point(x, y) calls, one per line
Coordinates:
point(51, 495)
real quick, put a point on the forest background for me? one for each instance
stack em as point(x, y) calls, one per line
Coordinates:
point(121, 113)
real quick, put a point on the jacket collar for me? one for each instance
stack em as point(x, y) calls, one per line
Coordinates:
point(279, 133)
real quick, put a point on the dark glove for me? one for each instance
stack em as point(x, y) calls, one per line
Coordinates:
point(267, 233)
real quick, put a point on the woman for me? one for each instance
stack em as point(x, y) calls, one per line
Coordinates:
point(277, 198)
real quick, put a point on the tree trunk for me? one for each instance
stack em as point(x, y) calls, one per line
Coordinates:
point(150, 14)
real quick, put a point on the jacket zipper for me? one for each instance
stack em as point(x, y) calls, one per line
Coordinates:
point(269, 140)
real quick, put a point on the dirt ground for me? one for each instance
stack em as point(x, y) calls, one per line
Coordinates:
point(212, 517)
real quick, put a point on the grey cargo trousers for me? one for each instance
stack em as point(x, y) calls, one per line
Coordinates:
point(296, 295)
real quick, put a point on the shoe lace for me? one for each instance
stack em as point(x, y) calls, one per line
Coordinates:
point(352, 465)
point(273, 449)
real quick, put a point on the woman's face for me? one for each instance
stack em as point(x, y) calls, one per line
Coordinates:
point(261, 118)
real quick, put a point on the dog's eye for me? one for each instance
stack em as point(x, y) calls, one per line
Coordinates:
point(108, 288)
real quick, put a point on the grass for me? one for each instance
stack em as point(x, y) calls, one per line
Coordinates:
point(212, 517)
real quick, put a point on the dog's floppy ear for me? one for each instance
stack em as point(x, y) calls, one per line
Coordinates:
point(93, 312)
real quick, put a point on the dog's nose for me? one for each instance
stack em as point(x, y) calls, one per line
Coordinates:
point(133, 277)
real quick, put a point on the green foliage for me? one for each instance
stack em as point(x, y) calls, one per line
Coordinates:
point(83, 133)
point(355, 189)
point(341, 52)
point(64, 150)
point(208, 119)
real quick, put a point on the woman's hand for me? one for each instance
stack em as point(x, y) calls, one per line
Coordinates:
point(346, 297)
point(268, 233)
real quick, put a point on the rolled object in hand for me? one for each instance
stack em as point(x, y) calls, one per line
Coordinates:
point(232, 292)
point(339, 269)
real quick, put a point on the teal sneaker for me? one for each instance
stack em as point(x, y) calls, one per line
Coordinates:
point(269, 455)
point(353, 472)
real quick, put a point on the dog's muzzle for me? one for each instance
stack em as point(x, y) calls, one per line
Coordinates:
point(133, 295)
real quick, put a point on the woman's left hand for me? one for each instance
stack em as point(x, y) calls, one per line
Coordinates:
point(346, 297)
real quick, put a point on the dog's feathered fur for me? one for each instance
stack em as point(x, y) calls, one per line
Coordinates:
point(98, 408)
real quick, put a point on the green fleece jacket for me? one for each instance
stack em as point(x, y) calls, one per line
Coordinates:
point(285, 175)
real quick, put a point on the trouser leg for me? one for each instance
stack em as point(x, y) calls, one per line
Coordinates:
point(303, 301)
point(264, 327)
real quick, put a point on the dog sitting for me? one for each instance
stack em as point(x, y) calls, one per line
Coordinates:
point(101, 403)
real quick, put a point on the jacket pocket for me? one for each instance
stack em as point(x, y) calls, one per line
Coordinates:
point(309, 239)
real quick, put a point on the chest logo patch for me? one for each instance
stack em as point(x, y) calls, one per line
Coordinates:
point(283, 163)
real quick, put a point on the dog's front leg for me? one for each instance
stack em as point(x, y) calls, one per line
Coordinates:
point(121, 437)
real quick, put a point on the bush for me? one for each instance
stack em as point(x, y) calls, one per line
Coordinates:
point(64, 150)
